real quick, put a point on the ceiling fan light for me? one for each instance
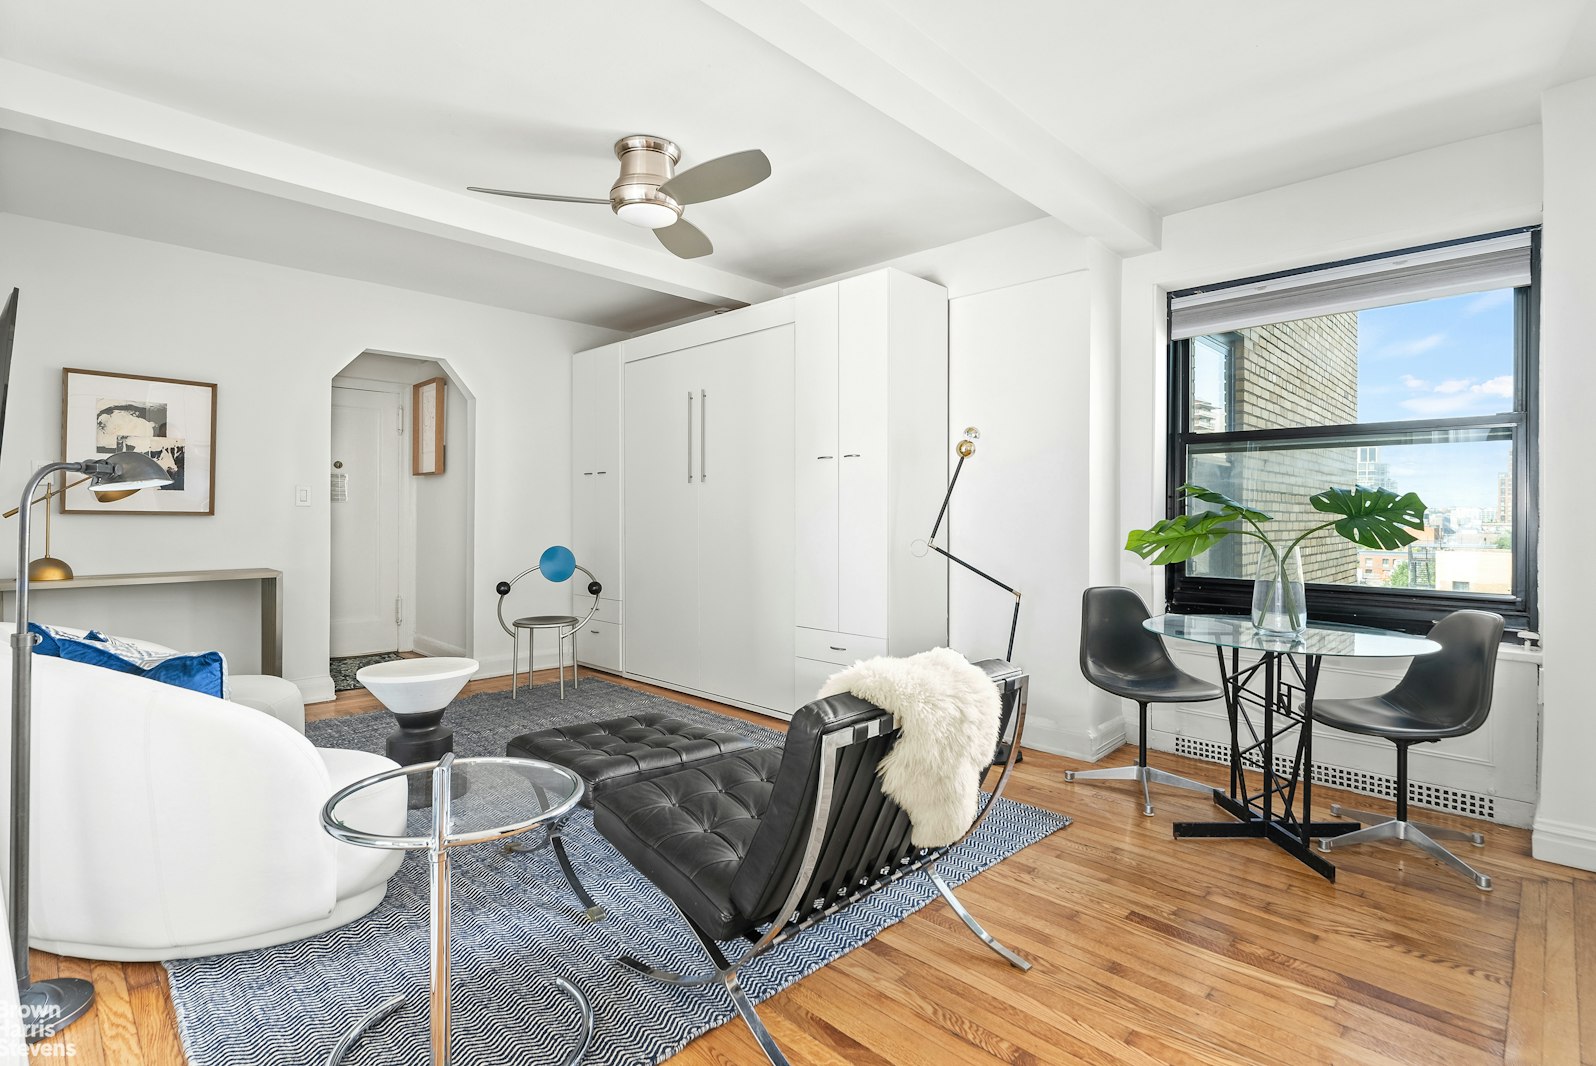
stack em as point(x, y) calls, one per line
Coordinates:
point(647, 215)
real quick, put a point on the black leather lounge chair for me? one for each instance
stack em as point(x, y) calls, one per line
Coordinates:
point(765, 843)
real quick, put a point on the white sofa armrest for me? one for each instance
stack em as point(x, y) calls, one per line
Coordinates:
point(165, 817)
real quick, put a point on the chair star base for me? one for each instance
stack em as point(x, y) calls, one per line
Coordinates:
point(1147, 775)
point(1416, 833)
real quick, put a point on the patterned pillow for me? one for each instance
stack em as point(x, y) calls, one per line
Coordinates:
point(50, 635)
point(204, 672)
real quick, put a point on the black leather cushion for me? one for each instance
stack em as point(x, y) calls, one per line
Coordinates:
point(623, 751)
point(689, 831)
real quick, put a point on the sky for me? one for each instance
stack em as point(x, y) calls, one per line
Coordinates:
point(1439, 359)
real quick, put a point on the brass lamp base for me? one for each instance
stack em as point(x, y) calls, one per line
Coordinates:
point(49, 568)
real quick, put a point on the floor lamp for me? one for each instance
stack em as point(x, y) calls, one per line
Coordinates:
point(965, 449)
point(48, 1006)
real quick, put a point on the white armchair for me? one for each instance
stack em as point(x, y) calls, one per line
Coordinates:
point(168, 824)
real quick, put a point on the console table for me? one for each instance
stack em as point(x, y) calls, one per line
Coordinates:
point(271, 598)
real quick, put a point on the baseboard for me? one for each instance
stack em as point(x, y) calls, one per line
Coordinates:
point(429, 646)
point(1090, 745)
point(316, 689)
point(1564, 843)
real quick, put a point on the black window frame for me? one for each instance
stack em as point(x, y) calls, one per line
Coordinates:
point(1406, 610)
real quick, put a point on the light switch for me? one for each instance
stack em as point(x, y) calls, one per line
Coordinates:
point(301, 496)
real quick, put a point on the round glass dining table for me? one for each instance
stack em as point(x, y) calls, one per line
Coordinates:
point(1269, 683)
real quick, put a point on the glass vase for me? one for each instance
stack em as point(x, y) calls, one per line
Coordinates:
point(1279, 602)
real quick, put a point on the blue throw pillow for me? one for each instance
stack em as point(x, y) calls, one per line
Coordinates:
point(205, 672)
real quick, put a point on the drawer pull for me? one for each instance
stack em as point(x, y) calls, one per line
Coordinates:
point(835, 648)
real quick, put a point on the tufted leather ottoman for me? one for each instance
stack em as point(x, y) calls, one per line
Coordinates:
point(624, 751)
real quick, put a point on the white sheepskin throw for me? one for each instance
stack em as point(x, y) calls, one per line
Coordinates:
point(948, 712)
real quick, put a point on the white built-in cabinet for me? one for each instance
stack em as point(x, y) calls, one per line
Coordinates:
point(596, 501)
point(870, 468)
point(776, 466)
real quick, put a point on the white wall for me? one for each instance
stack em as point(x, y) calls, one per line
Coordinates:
point(1022, 373)
point(272, 338)
point(1459, 190)
point(1565, 822)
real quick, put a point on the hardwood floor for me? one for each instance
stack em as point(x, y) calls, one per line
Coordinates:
point(1147, 950)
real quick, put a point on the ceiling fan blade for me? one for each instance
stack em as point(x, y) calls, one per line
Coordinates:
point(539, 196)
point(684, 240)
point(718, 177)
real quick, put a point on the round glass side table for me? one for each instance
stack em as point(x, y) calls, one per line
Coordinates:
point(507, 796)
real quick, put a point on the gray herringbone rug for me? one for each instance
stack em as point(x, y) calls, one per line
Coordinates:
point(515, 924)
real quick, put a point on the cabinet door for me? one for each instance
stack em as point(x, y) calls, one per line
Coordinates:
point(661, 535)
point(864, 503)
point(745, 523)
point(815, 457)
point(605, 383)
point(583, 386)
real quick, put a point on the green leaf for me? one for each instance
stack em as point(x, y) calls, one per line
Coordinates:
point(1174, 540)
point(1219, 499)
point(1374, 518)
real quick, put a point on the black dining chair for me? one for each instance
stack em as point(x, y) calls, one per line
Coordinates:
point(1118, 655)
point(1445, 694)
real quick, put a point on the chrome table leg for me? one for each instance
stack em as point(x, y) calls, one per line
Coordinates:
point(361, 1027)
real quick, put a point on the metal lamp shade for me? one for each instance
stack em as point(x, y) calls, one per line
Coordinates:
point(126, 473)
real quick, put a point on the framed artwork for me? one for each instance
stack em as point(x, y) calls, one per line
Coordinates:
point(171, 421)
point(426, 426)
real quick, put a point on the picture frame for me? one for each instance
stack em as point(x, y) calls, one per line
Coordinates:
point(427, 408)
point(169, 419)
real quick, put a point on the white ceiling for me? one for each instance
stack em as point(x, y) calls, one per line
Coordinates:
point(511, 94)
point(1187, 104)
point(64, 183)
point(339, 136)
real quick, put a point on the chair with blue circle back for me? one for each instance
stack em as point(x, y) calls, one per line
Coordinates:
point(556, 564)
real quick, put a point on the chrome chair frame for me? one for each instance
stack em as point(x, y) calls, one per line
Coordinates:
point(800, 918)
point(562, 631)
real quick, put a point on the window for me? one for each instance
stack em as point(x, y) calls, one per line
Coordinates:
point(1413, 371)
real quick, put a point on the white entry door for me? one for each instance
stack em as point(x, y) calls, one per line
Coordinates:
point(366, 439)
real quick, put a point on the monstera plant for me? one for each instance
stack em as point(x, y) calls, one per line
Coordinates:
point(1372, 518)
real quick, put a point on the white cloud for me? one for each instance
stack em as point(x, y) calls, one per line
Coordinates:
point(1457, 395)
point(1502, 386)
point(1411, 382)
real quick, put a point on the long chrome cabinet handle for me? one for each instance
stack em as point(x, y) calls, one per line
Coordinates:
point(689, 436)
point(703, 435)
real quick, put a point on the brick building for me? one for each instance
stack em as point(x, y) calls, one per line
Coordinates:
point(1279, 376)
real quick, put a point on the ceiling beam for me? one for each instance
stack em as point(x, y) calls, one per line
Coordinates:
point(873, 52)
point(73, 112)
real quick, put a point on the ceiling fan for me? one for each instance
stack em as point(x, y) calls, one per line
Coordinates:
point(649, 192)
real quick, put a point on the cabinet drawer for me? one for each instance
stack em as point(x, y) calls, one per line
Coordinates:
point(844, 649)
point(598, 644)
point(608, 610)
point(807, 677)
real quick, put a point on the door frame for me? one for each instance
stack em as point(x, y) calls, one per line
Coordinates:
point(406, 502)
